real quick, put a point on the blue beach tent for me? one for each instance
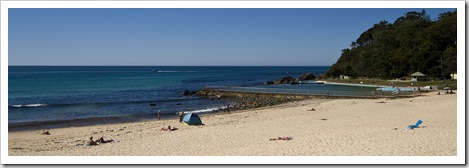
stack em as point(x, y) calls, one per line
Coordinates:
point(192, 119)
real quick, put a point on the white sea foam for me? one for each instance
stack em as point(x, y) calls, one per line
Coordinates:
point(169, 71)
point(29, 105)
point(176, 71)
point(207, 110)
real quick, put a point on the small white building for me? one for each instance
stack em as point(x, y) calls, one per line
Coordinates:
point(454, 76)
point(344, 77)
point(417, 76)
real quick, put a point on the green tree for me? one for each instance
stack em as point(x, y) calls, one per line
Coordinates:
point(412, 43)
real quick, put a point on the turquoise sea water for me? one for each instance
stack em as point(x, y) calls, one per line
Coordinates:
point(40, 95)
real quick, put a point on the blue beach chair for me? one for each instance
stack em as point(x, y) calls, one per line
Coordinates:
point(415, 126)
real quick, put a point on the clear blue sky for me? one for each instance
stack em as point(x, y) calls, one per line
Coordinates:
point(265, 37)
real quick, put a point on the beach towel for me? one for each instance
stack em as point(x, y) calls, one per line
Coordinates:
point(415, 126)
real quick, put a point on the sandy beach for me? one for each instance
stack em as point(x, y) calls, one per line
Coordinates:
point(339, 127)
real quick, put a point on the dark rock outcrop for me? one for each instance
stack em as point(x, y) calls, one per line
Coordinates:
point(285, 80)
point(307, 76)
point(269, 83)
point(292, 80)
point(187, 92)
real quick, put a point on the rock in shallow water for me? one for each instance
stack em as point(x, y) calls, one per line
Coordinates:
point(285, 80)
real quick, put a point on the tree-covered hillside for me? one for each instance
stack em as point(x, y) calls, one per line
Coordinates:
point(412, 43)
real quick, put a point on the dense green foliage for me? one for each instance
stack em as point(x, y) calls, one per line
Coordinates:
point(412, 43)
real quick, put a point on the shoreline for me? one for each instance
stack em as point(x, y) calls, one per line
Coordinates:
point(336, 127)
point(49, 125)
point(240, 102)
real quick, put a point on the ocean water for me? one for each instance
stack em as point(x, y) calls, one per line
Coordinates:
point(39, 95)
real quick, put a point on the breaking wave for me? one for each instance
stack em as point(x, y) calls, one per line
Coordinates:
point(29, 105)
point(207, 109)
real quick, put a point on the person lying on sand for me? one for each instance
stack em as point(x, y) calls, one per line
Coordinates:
point(45, 132)
point(311, 109)
point(281, 138)
point(101, 140)
point(92, 142)
point(169, 128)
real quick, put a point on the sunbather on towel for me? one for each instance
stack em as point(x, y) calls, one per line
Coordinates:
point(101, 140)
point(45, 132)
point(281, 138)
point(169, 128)
point(92, 142)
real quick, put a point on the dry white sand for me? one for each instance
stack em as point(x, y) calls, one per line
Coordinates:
point(345, 127)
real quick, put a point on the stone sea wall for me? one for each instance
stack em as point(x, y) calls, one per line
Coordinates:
point(246, 100)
